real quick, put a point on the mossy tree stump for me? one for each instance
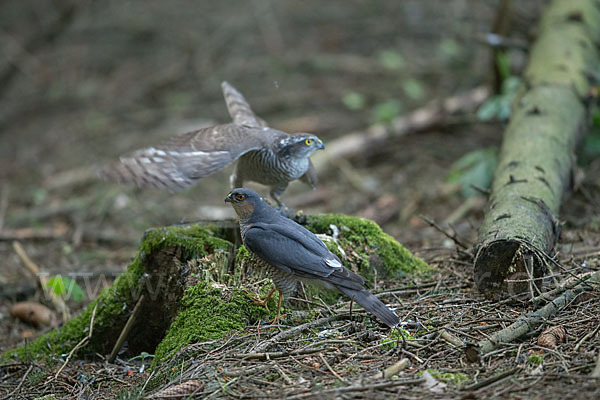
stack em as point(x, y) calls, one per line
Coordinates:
point(193, 279)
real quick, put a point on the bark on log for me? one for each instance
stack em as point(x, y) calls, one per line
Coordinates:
point(536, 163)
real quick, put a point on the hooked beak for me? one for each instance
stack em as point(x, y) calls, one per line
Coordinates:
point(320, 145)
point(228, 199)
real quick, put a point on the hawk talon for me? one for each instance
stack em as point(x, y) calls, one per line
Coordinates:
point(257, 301)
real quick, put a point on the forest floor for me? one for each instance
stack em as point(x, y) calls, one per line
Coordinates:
point(71, 224)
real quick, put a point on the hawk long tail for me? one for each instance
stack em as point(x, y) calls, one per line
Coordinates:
point(372, 304)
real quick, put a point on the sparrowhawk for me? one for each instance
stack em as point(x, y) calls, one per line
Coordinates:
point(266, 155)
point(292, 253)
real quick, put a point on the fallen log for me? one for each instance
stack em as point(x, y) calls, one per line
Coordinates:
point(537, 157)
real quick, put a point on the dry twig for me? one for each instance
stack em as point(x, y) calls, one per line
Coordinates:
point(81, 343)
point(57, 301)
point(528, 322)
point(126, 330)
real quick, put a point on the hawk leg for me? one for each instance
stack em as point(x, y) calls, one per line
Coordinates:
point(257, 301)
point(277, 191)
point(278, 317)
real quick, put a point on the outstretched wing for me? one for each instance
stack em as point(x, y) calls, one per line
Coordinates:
point(239, 109)
point(181, 161)
point(300, 252)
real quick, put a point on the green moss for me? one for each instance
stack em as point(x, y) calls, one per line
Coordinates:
point(395, 339)
point(365, 238)
point(195, 239)
point(207, 313)
point(454, 378)
point(535, 359)
point(115, 302)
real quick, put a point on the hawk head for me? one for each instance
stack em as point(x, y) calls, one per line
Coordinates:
point(244, 201)
point(298, 145)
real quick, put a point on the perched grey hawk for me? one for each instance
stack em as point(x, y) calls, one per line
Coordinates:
point(266, 155)
point(292, 253)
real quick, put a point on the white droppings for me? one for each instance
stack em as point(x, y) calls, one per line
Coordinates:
point(265, 128)
point(158, 159)
point(145, 160)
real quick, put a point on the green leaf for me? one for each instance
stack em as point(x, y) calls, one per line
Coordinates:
point(503, 63)
point(591, 143)
point(66, 288)
point(475, 168)
point(510, 85)
point(39, 195)
point(498, 107)
point(595, 115)
point(56, 285)
point(385, 112)
point(142, 356)
point(449, 49)
point(413, 89)
point(489, 109)
point(391, 59)
point(353, 101)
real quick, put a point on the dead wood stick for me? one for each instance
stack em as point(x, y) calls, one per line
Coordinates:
point(126, 330)
point(586, 337)
point(450, 338)
point(21, 382)
point(330, 368)
point(57, 301)
point(261, 347)
point(80, 344)
point(275, 354)
point(489, 381)
point(528, 322)
point(58, 232)
point(568, 284)
point(421, 119)
point(62, 232)
point(596, 371)
point(393, 369)
point(359, 388)
point(452, 236)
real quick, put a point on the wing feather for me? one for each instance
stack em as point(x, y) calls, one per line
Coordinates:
point(180, 162)
point(239, 109)
point(298, 252)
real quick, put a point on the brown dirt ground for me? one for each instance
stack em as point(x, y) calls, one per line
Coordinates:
point(126, 74)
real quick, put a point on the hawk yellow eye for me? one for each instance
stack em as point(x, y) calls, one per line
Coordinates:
point(240, 197)
point(308, 142)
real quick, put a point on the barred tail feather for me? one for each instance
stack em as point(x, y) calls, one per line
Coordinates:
point(372, 304)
